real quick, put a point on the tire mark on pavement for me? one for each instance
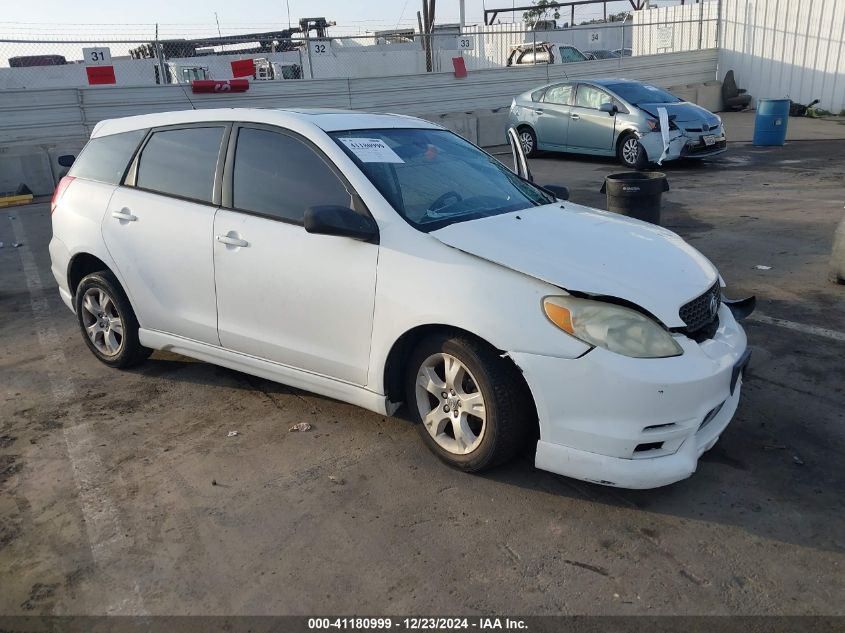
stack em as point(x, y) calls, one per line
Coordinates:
point(107, 537)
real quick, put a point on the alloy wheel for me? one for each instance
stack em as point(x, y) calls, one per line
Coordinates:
point(102, 321)
point(527, 142)
point(450, 404)
point(631, 151)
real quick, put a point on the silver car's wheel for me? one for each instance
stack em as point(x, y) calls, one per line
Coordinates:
point(631, 151)
point(527, 141)
point(102, 321)
point(450, 404)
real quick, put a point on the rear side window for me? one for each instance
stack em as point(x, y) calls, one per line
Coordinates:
point(181, 162)
point(105, 158)
point(280, 176)
point(561, 95)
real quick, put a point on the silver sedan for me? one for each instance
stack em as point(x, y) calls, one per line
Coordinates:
point(615, 117)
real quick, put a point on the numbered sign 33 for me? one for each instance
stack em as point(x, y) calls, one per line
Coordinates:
point(97, 56)
point(323, 47)
point(464, 43)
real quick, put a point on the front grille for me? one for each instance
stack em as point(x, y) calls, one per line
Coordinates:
point(701, 314)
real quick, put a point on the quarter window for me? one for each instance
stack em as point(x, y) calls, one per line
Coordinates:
point(279, 175)
point(591, 97)
point(105, 158)
point(181, 162)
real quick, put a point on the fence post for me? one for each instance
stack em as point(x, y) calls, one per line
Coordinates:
point(700, 23)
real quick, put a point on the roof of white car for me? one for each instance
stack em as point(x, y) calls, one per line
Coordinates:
point(329, 120)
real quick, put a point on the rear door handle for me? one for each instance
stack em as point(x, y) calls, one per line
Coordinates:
point(574, 117)
point(124, 215)
point(538, 110)
point(231, 241)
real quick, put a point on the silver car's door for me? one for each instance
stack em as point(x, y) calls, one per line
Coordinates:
point(553, 115)
point(589, 127)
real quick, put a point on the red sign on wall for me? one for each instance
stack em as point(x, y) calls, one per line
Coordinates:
point(243, 68)
point(100, 75)
point(219, 85)
point(460, 67)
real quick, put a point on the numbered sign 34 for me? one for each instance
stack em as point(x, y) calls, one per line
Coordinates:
point(322, 47)
point(97, 56)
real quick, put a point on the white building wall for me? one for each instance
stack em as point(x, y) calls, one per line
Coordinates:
point(786, 49)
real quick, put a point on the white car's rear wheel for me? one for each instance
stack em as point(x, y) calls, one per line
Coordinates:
point(472, 405)
point(107, 321)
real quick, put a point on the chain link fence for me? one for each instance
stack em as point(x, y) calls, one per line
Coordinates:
point(271, 56)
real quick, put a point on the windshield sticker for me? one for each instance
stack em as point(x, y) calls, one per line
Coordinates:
point(371, 150)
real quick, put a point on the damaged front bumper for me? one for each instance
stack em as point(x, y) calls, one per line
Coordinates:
point(682, 144)
point(636, 423)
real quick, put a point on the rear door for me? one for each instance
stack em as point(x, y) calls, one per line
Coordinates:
point(553, 115)
point(589, 127)
point(159, 230)
point(284, 294)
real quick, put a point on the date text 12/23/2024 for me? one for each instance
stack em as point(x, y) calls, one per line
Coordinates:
point(417, 624)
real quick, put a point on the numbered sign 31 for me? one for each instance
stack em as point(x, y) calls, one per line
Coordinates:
point(464, 43)
point(323, 47)
point(98, 56)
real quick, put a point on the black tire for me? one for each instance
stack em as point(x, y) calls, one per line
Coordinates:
point(130, 351)
point(641, 160)
point(528, 140)
point(510, 413)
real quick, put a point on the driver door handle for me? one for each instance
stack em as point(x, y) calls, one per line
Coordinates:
point(574, 117)
point(231, 241)
point(124, 215)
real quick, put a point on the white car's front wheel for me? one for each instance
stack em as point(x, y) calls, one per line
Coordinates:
point(472, 405)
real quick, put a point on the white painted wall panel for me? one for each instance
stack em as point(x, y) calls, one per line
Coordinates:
point(786, 49)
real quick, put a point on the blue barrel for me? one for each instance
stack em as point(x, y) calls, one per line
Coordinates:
point(771, 121)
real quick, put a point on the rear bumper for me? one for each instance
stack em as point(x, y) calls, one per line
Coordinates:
point(59, 262)
point(635, 423)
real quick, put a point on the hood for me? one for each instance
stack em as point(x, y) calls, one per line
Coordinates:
point(591, 251)
point(683, 112)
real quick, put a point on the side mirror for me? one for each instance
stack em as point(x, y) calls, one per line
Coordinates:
point(341, 221)
point(610, 108)
point(558, 191)
point(66, 160)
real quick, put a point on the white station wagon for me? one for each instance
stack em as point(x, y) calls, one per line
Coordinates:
point(381, 260)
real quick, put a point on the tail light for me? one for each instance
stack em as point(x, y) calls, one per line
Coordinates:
point(64, 183)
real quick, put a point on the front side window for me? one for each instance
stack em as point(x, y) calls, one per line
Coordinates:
point(561, 95)
point(591, 97)
point(181, 162)
point(434, 178)
point(105, 158)
point(280, 176)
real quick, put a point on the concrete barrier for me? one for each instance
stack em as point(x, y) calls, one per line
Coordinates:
point(709, 95)
point(837, 256)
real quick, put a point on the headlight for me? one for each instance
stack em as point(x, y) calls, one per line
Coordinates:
point(612, 327)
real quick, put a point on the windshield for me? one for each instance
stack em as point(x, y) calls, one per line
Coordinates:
point(642, 93)
point(434, 178)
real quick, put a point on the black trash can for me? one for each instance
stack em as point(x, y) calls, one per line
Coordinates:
point(636, 194)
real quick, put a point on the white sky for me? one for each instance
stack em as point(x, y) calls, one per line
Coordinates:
point(62, 19)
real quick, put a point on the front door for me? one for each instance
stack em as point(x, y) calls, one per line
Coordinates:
point(589, 127)
point(159, 232)
point(553, 115)
point(283, 294)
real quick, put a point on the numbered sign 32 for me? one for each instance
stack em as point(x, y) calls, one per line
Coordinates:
point(97, 56)
point(464, 43)
point(322, 47)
